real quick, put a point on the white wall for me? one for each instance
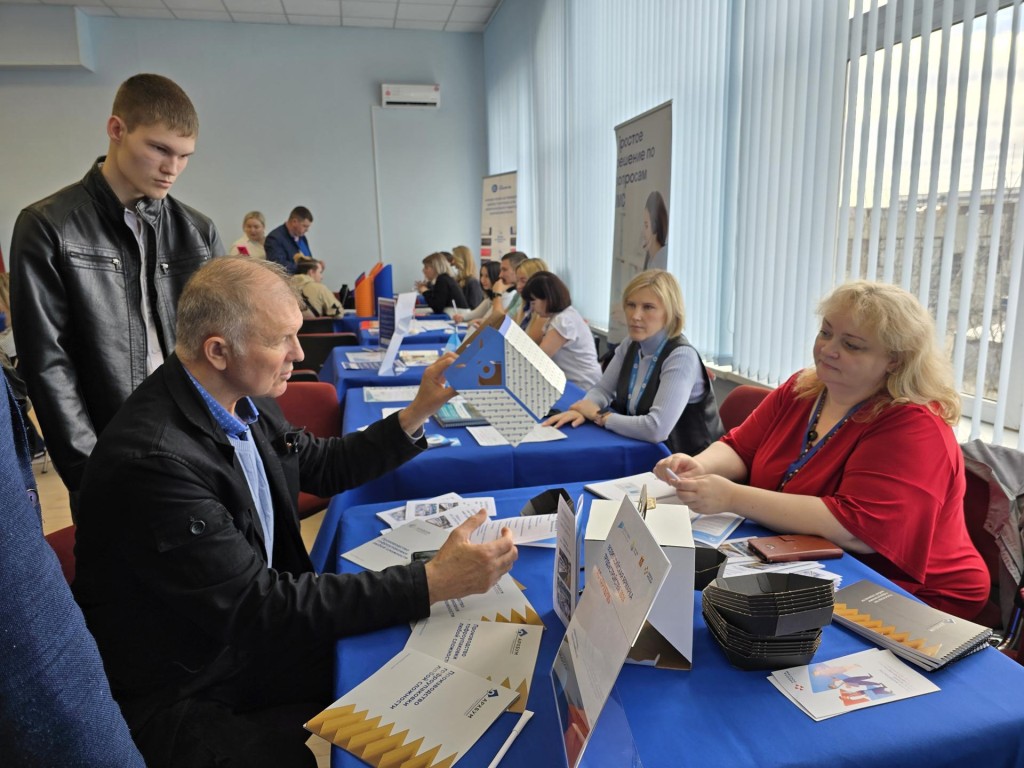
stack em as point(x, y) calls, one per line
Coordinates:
point(285, 120)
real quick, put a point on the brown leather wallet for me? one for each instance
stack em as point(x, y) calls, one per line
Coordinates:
point(796, 546)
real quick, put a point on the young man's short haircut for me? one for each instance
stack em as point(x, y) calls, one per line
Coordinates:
point(301, 213)
point(154, 99)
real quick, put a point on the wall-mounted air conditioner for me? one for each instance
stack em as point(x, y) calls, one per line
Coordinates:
point(428, 96)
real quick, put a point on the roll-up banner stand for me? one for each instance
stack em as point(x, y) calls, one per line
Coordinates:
point(643, 179)
point(498, 216)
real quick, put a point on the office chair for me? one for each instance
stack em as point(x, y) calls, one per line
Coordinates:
point(62, 542)
point(740, 403)
point(314, 407)
point(317, 346)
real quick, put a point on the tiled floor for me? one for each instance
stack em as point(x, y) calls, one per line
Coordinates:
point(53, 498)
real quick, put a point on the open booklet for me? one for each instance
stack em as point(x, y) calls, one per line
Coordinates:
point(415, 710)
point(864, 679)
point(707, 529)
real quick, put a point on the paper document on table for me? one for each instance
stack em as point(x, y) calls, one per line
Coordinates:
point(632, 486)
point(507, 378)
point(713, 529)
point(373, 356)
point(414, 710)
point(396, 516)
point(428, 509)
point(389, 394)
point(431, 325)
point(489, 436)
point(503, 653)
point(396, 546)
point(863, 679)
point(504, 602)
point(524, 528)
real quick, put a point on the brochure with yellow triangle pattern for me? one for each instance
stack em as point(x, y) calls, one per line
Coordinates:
point(414, 712)
point(504, 602)
point(503, 653)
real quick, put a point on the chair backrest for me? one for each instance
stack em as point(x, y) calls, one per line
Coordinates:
point(317, 346)
point(62, 541)
point(740, 403)
point(313, 405)
point(317, 325)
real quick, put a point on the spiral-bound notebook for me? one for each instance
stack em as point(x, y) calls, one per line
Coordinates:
point(922, 635)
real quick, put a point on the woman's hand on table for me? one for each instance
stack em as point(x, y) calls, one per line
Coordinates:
point(578, 412)
point(463, 568)
point(706, 494)
point(432, 394)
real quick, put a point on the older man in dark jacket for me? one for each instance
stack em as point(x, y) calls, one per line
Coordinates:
point(97, 268)
point(215, 631)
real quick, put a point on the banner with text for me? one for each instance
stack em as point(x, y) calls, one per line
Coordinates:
point(498, 216)
point(643, 177)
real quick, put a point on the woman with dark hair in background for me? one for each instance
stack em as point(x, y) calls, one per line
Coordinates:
point(490, 271)
point(567, 338)
point(655, 234)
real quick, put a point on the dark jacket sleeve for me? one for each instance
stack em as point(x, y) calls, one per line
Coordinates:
point(280, 250)
point(41, 315)
point(55, 702)
point(473, 292)
point(442, 293)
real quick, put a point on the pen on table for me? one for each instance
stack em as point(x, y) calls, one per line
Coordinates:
point(523, 720)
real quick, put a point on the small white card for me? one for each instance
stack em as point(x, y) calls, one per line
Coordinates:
point(396, 546)
point(389, 394)
point(525, 528)
point(489, 436)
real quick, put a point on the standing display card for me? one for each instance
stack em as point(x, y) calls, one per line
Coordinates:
point(510, 381)
point(565, 584)
point(622, 583)
point(415, 710)
point(401, 312)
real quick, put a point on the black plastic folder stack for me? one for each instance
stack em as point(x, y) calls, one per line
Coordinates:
point(769, 620)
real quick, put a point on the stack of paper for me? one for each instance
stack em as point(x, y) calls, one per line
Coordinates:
point(922, 635)
point(864, 679)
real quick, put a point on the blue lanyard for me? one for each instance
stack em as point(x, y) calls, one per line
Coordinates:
point(810, 450)
point(631, 410)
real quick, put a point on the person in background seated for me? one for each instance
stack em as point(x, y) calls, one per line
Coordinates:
point(489, 273)
point(317, 299)
point(254, 227)
point(97, 269)
point(506, 285)
point(525, 318)
point(471, 288)
point(216, 633)
point(656, 387)
point(55, 702)
point(439, 290)
point(287, 244)
point(567, 338)
point(859, 449)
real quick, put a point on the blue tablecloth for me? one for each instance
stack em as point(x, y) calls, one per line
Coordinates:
point(587, 452)
point(717, 715)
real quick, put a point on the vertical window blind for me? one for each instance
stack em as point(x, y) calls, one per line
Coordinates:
point(813, 142)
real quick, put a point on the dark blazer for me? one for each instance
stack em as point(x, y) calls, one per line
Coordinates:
point(171, 572)
point(281, 247)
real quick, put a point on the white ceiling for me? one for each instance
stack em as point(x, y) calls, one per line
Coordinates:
point(439, 15)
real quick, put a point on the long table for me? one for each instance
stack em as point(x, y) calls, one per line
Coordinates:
point(717, 715)
point(587, 451)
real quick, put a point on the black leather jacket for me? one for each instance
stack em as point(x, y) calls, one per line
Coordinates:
point(76, 304)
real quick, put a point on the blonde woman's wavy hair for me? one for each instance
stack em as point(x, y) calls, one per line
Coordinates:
point(666, 288)
point(530, 267)
point(439, 263)
point(465, 262)
point(922, 374)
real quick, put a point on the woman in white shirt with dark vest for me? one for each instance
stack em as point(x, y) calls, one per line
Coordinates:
point(656, 387)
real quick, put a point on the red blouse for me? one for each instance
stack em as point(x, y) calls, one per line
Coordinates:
point(895, 481)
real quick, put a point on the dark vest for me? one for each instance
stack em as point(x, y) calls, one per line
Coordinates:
point(698, 426)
